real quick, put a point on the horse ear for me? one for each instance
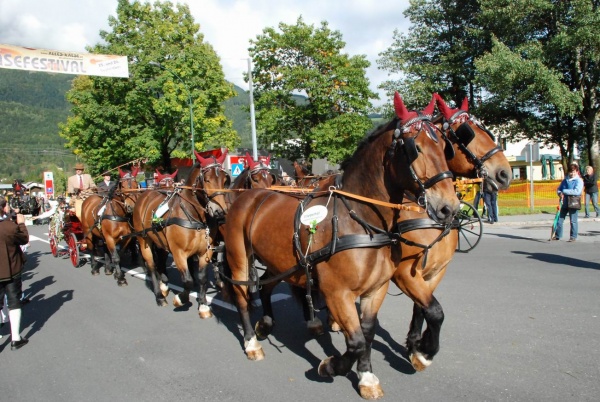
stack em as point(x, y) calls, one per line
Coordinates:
point(268, 161)
point(430, 108)
point(134, 171)
point(203, 162)
point(399, 107)
point(443, 107)
point(249, 161)
point(465, 104)
point(172, 176)
point(221, 159)
point(121, 173)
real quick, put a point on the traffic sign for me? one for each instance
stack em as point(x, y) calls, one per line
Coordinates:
point(236, 169)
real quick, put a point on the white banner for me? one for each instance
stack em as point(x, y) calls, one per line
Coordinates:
point(64, 62)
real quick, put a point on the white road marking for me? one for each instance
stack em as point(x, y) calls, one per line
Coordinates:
point(141, 275)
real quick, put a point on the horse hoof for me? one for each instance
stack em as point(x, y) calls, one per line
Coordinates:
point(419, 362)
point(95, 272)
point(253, 349)
point(122, 283)
point(164, 289)
point(263, 327)
point(177, 302)
point(335, 327)
point(161, 302)
point(369, 386)
point(204, 311)
point(108, 272)
point(374, 392)
point(325, 369)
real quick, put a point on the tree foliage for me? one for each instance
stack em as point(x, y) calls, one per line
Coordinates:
point(533, 63)
point(303, 60)
point(544, 68)
point(437, 54)
point(115, 120)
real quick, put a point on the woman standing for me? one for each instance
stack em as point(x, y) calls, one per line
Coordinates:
point(13, 234)
point(591, 191)
point(571, 185)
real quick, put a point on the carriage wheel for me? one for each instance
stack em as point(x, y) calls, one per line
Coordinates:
point(53, 245)
point(470, 229)
point(73, 250)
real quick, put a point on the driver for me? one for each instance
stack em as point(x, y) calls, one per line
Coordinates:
point(79, 187)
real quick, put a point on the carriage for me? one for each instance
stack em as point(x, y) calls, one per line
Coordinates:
point(65, 226)
point(467, 221)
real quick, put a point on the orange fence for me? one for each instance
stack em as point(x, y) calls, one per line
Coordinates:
point(519, 193)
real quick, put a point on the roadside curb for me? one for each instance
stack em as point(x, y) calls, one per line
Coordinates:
point(545, 222)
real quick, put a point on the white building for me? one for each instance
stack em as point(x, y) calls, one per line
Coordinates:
point(546, 162)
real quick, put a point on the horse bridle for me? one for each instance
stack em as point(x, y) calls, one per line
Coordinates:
point(200, 181)
point(259, 169)
point(126, 195)
point(463, 136)
point(411, 153)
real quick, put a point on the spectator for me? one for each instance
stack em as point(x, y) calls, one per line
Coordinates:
point(13, 234)
point(571, 185)
point(490, 199)
point(591, 190)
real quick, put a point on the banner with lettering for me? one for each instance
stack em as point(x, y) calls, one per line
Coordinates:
point(64, 62)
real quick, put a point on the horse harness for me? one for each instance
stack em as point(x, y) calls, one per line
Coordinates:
point(464, 134)
point(374, 236)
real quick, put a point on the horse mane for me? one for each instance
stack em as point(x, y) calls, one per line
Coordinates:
point(378, 131)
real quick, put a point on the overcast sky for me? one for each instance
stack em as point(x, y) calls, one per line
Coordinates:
point(366, 26)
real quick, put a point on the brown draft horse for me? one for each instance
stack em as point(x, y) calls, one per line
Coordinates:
point(255, 175)
point(423, 255)
point(105, 220)
point(353, 243)
point(182, 221)
point(426, 246)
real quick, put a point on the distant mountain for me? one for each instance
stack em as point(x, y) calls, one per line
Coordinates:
point(32, 104)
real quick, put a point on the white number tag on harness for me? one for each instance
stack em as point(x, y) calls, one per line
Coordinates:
point(314, 214)
point(162, 208)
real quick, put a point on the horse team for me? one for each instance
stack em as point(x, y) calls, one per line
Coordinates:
point(389, 217)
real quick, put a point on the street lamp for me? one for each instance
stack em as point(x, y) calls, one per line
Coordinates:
point(153, 63)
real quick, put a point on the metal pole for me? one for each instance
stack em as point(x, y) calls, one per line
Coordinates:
point(531, 173)
point(190, 103)
point(252, 119)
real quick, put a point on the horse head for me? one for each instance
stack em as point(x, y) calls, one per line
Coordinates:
point(210, 178)
point(259, 175)
point(128, 187)
point(477, 154)
point(415, 142)
point(165, 180)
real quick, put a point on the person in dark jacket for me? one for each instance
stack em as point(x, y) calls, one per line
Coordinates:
point(490, 198)
point(13, 234)
point(591, 190)
point(105, 185)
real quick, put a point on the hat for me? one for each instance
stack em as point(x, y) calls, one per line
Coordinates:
point(107, 173)
point(79, 166)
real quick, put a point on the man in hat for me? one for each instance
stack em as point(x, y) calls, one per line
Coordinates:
point(78, 187)
point(105, 185)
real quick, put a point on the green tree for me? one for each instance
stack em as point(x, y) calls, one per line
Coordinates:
point(115, 120)
point(437, 54)
point(330, 116)
point(544, 69)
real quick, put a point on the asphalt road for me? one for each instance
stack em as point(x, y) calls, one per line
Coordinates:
point(521, 325)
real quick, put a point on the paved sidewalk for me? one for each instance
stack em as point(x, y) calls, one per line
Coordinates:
point(534, 219)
